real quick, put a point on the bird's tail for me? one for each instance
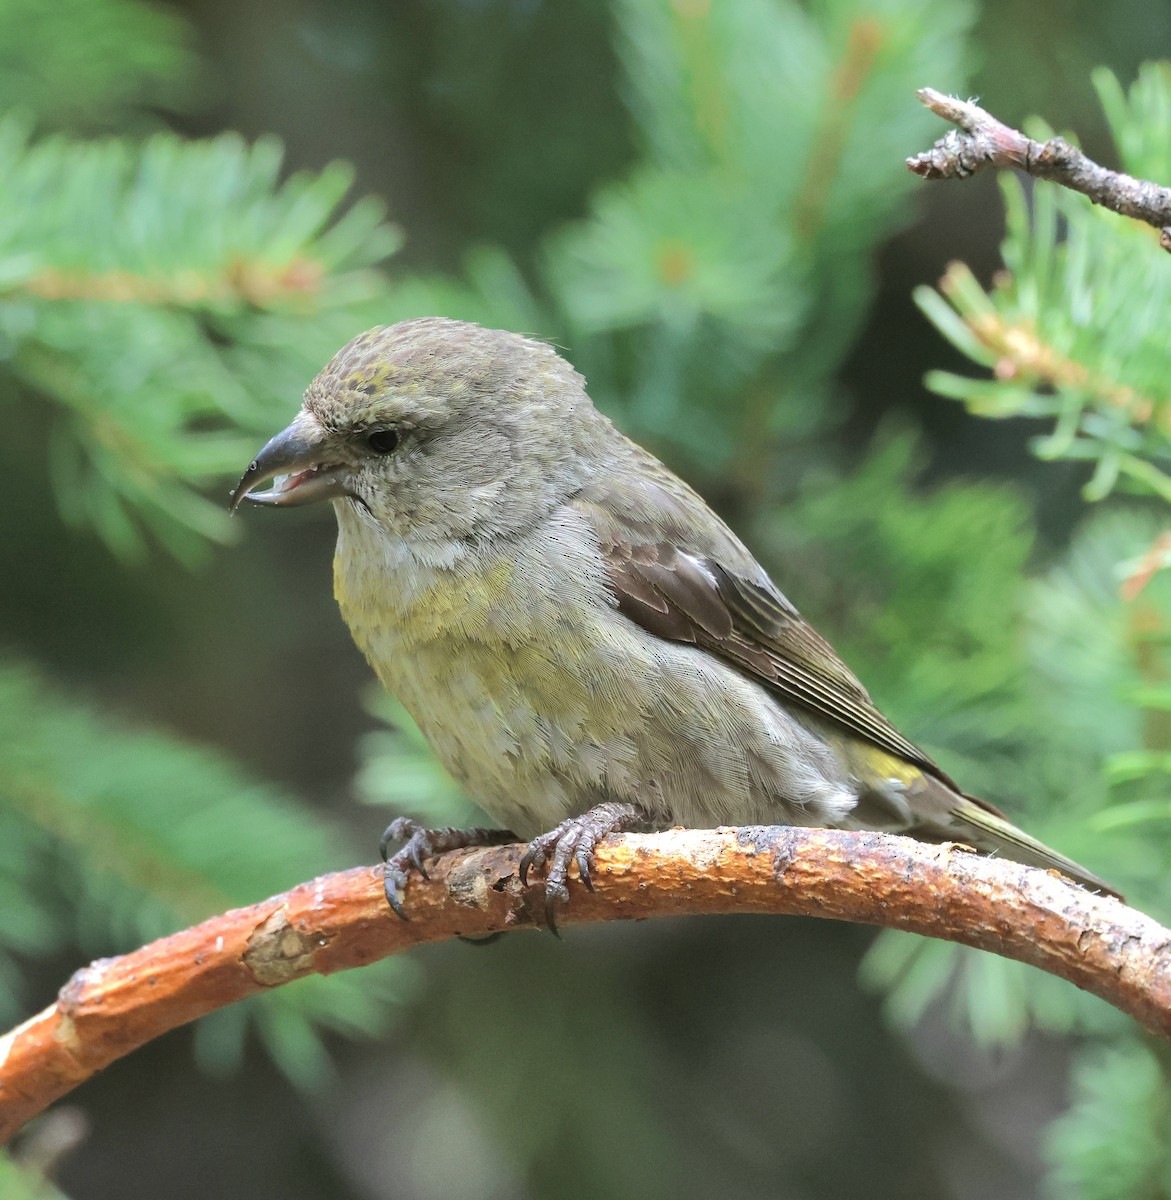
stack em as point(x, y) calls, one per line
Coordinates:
point(988, 830)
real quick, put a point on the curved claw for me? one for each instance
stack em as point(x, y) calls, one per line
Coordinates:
point(553, 896)
point(399, 830)
point(574, 841)
point(414, 848)
point(534, 856)
point(393, 882)
point(583, 856)
point(420, 844)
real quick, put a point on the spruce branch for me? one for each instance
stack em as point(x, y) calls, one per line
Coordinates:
point(983, 141)
point(341, 921)
point(240, 281)
point(1018, 352)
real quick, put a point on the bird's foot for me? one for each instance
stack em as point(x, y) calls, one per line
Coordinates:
point(420, 844)
point(574, 840)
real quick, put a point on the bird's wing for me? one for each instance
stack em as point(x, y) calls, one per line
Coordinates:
point(682, 575)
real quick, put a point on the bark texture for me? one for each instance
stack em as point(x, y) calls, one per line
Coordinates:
point(980, 141)
point(342, 921)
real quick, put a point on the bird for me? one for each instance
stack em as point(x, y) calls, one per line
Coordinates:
point(587, 647)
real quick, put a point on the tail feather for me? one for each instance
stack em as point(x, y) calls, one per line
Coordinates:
point(940, 812)
point(992, 832)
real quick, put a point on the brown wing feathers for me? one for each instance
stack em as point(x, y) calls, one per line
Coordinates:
point(667, 593)
point(681, 598)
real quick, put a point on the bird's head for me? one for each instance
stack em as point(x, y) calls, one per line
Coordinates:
point(436, 430)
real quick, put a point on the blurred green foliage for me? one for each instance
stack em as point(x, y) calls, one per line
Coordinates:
point(136, 281)
point(1065, 342)
point(92, 65)
point(146, 817)
point(1059, 328)
point(1113, 1142)
point(165, 298)
point(18, 1182)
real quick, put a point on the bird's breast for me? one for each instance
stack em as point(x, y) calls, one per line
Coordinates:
point(505, 659)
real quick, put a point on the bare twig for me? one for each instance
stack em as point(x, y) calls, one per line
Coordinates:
point(340, 921)
point(987, 142)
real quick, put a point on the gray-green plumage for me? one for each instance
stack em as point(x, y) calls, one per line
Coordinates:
point(568, 621)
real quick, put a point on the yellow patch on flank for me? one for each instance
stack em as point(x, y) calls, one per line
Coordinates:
point(874, 765)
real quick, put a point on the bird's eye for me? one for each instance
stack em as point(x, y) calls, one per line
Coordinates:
point(382, 441)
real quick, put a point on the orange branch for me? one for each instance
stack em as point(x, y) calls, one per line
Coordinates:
point(341, 921)
point(255, 283)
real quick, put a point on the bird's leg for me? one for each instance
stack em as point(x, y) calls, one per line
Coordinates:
point(420, 844)
point(574, 840)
